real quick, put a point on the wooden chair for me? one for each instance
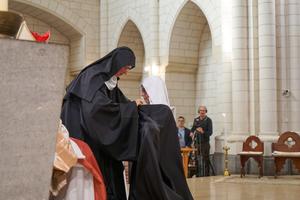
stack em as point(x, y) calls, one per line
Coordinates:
point(287, 147)
point(253, 147)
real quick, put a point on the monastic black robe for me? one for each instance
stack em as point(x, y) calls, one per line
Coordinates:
point(109, 125)
point(158, 172)
point(105, 119)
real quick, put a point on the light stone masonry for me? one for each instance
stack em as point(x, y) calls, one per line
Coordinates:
point(32, 85)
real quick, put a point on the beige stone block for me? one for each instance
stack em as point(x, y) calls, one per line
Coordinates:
point(32, 89)
point(67, 13)
point(240, 53)
point(266, 30)
point(239, 22)
point(266, 85)
point(53, 5)
point(265, 6)
point(188, 102)
point(294, 40)
point(60, 9)
point(202, 63)
point(44, 3)
point(36, 1)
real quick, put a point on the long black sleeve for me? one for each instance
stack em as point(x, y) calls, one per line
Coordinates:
point(208, 130)
point(193, 127)
point(187, 137)
point(112, 126)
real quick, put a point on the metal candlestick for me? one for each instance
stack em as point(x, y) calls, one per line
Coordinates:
point(226, 171)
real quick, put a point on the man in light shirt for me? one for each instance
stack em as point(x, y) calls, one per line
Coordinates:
point(184, 134)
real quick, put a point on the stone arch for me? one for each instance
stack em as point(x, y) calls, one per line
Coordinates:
point(122, 22)
point(185, 38)
point(191, 70)
point(209, 11)
point(51, 12)
point(205, 9)
point(190, 48)
point(131, 37)
point(64, 21)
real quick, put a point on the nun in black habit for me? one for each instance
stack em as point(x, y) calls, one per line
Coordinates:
point(96, 111)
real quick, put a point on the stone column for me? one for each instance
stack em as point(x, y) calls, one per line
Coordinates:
point(293, 16)
point(267, 69)
point(103, 27)
point(3, 5)
point(253, 66)
point(152, 60)
point(240, 88)
point(282, 65)
point(222, 57)
point(32, 88)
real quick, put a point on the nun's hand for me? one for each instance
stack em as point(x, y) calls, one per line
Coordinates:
point(139, 102)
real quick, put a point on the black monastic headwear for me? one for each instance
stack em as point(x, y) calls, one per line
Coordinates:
point(92, 77)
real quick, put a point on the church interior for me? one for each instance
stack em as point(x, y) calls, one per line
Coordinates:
point(238, 58)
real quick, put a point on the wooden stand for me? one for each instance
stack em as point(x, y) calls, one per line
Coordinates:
point(185, 159)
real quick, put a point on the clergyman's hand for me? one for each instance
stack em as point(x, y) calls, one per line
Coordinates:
point(200, 130)
point(139, 102)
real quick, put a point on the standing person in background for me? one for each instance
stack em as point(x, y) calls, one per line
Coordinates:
point(184, 134)
point(203, 129)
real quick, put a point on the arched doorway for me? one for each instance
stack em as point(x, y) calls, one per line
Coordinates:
point(131, 37)
point(189, 73)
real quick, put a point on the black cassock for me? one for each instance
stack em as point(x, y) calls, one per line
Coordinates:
point(116, 131)
point(158, 171)
point(105, 119)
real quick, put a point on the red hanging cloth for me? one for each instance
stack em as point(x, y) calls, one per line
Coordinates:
point(41, 37)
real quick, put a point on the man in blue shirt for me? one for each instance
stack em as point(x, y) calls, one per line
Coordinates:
point(184, 134)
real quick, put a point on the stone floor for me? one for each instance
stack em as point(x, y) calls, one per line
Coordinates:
point(248, 188)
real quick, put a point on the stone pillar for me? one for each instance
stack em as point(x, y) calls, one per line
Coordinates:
point(152, 60)
point(240, 88)
point(293, 17)
point(267, 69)
point(3, 5)
point(222, 55)
point(31, 87)
point(103, 28)
point(253, 67)
point(282, 62)
point(224, 89)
